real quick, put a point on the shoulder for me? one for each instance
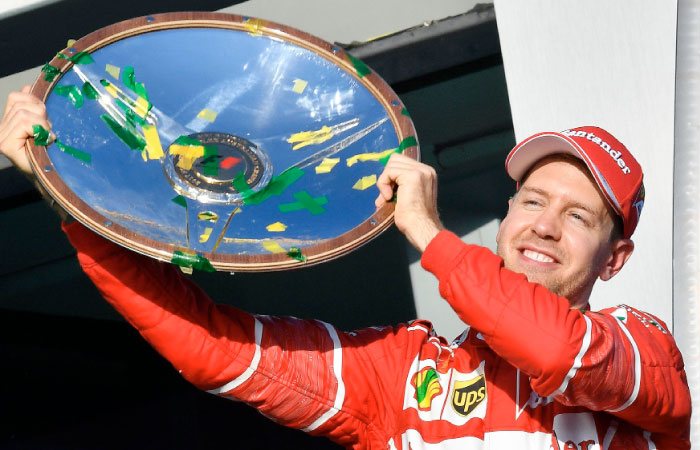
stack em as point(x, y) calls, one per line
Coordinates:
point(649, 334)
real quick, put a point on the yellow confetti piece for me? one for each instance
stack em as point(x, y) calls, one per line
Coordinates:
point(254, 26)
point(113, 70)
point(277, 226)
point(70, 43)
point(327, 165)
point(142, 107)
point(368, 157)
point(208, 115)
point(187, 153)
point(153, 145)
point(273, 247)
point(304, 138)
point(204, 237)
point(299, 86)
point(209, 216)
point(365, 182)
point(112, 89)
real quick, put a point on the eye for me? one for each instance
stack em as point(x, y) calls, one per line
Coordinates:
point(530, 200)
point(579, 218)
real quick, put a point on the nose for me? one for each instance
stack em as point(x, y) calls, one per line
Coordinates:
point(547, 225)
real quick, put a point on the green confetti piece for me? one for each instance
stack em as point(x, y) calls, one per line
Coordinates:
point(296, 253)
point(74, 152)
point(41, 135)
point(276, 186)
point(179, 200)
point(131, 117)
point(241, 186)
point(360, 67)
point(121, 105)
point(130, 106)
point(210, 161)
point(50, 72)
point(192, 261)
point(134, 118)
point(128, 77)
point(409, 141)
point(405, 112)
point(129, 80)
point(186, 140)
point(72, 93)
point(82, 58)
point(129, 136)
point(305, 201)
point(90, 92)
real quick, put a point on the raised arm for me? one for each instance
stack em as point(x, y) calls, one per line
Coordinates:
point(619, 360)
point(301, 373)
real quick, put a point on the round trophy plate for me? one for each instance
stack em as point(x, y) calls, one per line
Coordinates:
point(217, 141)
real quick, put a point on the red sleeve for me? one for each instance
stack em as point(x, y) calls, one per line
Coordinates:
point(625, 366)
point(301, 373)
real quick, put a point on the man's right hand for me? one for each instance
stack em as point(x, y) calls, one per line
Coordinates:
point(415, 184)
point(22, 111)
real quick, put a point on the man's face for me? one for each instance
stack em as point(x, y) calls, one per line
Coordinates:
point(557, 230)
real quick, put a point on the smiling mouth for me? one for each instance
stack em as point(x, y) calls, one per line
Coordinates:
point(536, 256)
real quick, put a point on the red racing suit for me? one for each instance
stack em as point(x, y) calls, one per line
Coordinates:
point(529, 373)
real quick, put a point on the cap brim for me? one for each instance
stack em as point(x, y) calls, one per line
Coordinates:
point(528, 152)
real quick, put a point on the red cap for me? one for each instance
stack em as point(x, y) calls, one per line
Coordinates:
point(617, 173)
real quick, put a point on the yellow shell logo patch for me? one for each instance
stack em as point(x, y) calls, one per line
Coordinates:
point(427, 385)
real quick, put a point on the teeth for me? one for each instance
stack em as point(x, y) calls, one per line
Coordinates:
point(537, 256)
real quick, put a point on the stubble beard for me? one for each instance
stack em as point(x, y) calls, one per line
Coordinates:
point(567, 288)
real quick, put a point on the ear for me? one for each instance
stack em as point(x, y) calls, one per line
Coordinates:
point(620, 252)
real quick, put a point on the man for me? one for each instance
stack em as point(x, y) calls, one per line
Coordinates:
point(535, 370)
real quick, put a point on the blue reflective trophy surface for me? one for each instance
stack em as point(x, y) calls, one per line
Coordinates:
point(219, 142)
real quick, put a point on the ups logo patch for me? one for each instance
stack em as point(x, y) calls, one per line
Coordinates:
point(467, 395)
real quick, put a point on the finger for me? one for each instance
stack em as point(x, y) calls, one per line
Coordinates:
point(18, 127)
point(19, 98)
point(379, 201)
point(386, 183)
point(28, 105)
point(21, 118)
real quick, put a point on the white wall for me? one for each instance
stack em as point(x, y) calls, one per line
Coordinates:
point(610, 64)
